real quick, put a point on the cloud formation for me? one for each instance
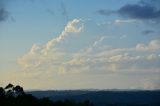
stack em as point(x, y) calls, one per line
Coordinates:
point(154, 45)
point(118, 21)
point(106, 12)
point(71, 27)
point(48, 53)
point(137, 11)
point(147, 32)
point(117, 60)
point(96, 58)
point(144, 10)
point(3, 12)
point(64, 10)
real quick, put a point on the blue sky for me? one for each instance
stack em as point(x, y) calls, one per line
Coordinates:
point(80, 44)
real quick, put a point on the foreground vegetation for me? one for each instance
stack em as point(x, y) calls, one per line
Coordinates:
point(15, 96)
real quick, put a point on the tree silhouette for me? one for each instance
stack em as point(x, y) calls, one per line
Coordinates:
point(18, 90)
point(9, 86)
point(15, 96)
point(2, 93)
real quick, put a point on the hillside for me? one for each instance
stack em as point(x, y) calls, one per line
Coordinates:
point(104, 97)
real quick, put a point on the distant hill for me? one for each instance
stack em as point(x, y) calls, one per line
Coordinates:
point(104, 97)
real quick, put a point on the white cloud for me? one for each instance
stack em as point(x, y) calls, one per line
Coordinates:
point(153, 45)
point(152, 56)
point(118, 21)
point(71, 27)
point(97, 58)
point(118, 59)
point(99, 40)
point(48, 55)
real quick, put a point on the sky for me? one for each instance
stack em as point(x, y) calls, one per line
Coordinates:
point(80, 44)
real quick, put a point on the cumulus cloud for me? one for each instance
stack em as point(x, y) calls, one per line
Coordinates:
point(71, 27)
point(48, 54)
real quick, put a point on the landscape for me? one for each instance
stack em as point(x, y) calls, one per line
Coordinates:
point(79, 53)
point(15, 96)
point(105, 97)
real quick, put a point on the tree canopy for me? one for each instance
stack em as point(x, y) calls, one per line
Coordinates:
point(15, 96)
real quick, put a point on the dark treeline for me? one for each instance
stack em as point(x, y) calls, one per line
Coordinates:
point(15, 96)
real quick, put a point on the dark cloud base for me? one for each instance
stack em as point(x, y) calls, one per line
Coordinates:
point(147, 32)
point(144, 10)
point(139, 12)
point(3, 14)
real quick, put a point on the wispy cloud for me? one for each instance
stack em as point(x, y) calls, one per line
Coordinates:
point(50, 11)
point(118, 60)
point(99, 40)
point(3, 12)
point(106, 12)
point(147, 32)
point(118, 21)
point(123, 36)
point(64, 9)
